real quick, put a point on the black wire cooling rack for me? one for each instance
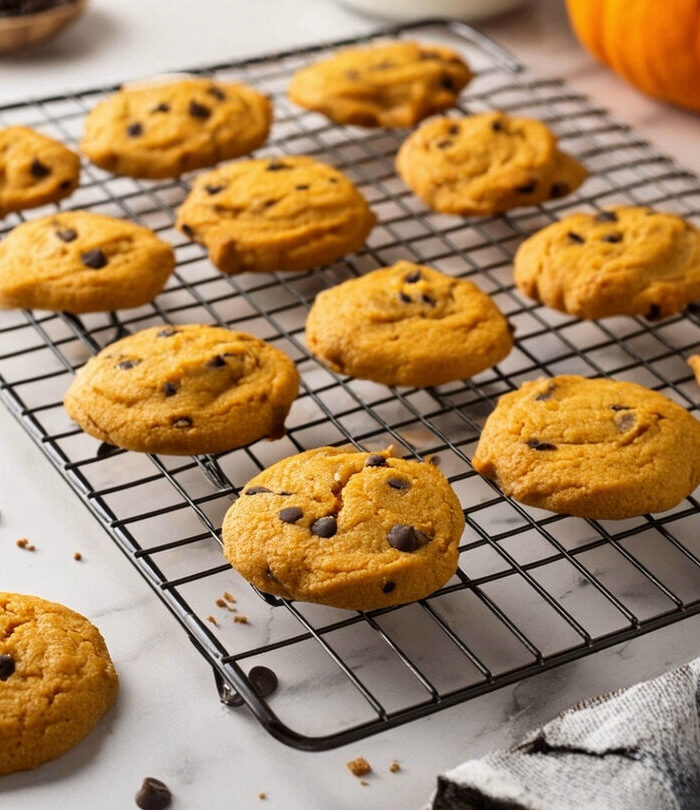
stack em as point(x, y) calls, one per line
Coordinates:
point(533, 589)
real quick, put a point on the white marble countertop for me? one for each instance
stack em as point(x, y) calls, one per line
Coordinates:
point(168, 722)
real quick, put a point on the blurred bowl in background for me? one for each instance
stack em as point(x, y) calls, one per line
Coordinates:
point(467, 10)
point(30, 29)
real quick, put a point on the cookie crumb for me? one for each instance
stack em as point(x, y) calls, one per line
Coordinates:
point(359, 766)
point(220, 602)
point(229, 597)
point(77, 556)
point(240, 619)
point(364, 782)
point(394, 767)
point(262, 795)
point(212, 619)
point(24, 543)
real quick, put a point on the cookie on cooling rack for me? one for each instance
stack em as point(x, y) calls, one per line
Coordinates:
point(623, 261)
point(56, 680)
point(164, 128)
point(407, 325)
point(593, 448)
point(183, 390)
point(34, 170)
point(487, 163)
point(390, 84)
point(289, 213)
point(82, 262)
point(347, 529)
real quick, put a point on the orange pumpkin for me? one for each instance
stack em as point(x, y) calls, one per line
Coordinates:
point(654, 44)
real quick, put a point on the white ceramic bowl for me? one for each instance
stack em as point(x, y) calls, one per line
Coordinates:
point(468, 10)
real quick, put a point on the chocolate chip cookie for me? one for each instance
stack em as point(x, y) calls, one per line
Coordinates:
point(164, 128)
point(622, 261)
point(390, 84)
point(184, 390)
point(82, 262)
point(290, 213)
point(407, 325)
point(484, 164)
point(593, 448)
point(56, 680)
point(34, 170)
point(347, 529)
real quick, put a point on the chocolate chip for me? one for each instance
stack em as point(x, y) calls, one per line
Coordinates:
point(444, 144)
point(276, 166)
point(375, 460)
point(214, 189)
point(290, 514)
point(528, 188)
point(559, 190)
point(325, 526)
point(39, 169)
point(301, 187)
point(134, 130)
point(333, 180)
point(64, 184)
point(187, 230)
point(619, 407)
point(127, 364)
point(398, 483)
point(612, 237)
point(217, 361)
point(413, 277)
point(654, 313)
point(510, 327)
point(67, 234)
point(182, 422)
point(625, 420)
point(447, 82)
point(352, 74)
point(7, 666)
point(94, 259)
point(216, 92)
point(497, 126)
point(606, 216)
point(105, 450)
point(574, 237)
point(543, 396)
point(161, 108)
point(257, 491)
point(426, 299)
point(453, 129)
point(406, 299)
point(388, 587)
point(406, 538)
point(198, 110)
point(535, 444)
point(167, 332)
point(269, 203)
point(153, 795)
point(263, 680)
point(170, 389)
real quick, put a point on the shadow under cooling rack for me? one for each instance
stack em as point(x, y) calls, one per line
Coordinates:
point(533, 589)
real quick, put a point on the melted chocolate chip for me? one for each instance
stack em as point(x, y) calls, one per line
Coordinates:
point(625, 420)
point(388, 587)
point(153, 795)
point(170, 389)
point(134, 130)
point(301, 187)
point(127, 364)
point(197, 110)
point(263, 680)
point(444, 144)
point(214, 189)
point(543, 396)
point(95, 259)
point(612, 237)
point(527, 188)
point(216, 92)
point(412, 278)
point(290, 514)
point(64, 184)
point(654, 313)
point(497, 126)
point(161, 108)
point(453, 129)
point(217, 361)
point(7, 666)
point(375, 460)
point(558, 190)
point(257, 491)
point(276, 166)
point(398, 483)
point(406, 538)
point(333, 180)
point(325, 526)
point(619, 407)
point(406, 299)
point(182, 422)
point(39, 169)
point(167, 332)
point(67, 234)
point(575, 237)
point(535, 444)
point(606, 216)
point(426, 299)
point(447, 82)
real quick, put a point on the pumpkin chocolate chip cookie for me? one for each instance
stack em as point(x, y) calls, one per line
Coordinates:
point(34, 170)
point(56, 680)
point(162, 129)
point(622, 261)
point(82, 262)
point(184, 390)
point(593, 448)
point(484, 164)
point(390, 84)
point(347, 529)
point(407, 325)
point(290, 213)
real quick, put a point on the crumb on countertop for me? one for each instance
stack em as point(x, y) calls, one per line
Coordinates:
point(262, 795)
point(240, 619)
point(77, 556)
point(212, 619)
point(24, 543)
point(394, 767)
point(359, 766)
point(229, 597)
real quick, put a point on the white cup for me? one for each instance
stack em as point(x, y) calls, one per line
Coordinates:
point(468, 10)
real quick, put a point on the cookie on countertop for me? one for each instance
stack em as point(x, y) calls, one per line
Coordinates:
point(389, 84)
point(289, 213)
point(347, 529)
point(407, 325)
point(82, 262)
point(598, 448)
point(183, 390)
point(622, 261)
point(56, 680)
point(164, 128)
point(34, 170)
point(487, 163)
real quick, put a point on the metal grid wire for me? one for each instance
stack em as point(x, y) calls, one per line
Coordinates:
point(533, 589)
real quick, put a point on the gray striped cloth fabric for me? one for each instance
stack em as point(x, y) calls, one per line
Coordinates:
point(635, 749)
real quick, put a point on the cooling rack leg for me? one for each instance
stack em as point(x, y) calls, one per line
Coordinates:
point(227, 694)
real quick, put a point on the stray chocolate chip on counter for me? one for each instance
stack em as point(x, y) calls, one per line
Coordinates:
point(263, 680)
point(153, 795)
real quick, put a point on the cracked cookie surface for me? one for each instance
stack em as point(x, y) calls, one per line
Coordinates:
point(487, 163)
point(390, 84)
point(593, 448)
point(34, 170)
point(347, 529)
point(407, 325)
point(82, 262)
point(288, 213)
point(162, 129)
point(183, 390)
point(622, 261)
point(56, 680)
